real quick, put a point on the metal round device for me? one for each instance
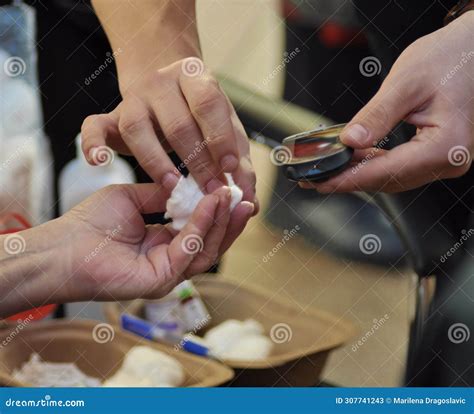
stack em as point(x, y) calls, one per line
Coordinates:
point(316, 155)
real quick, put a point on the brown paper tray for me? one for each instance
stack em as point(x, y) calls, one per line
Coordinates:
point(72, 341)
point(297, 361)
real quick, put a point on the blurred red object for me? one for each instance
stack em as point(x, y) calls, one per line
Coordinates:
point(12, 223)
point(334, 35)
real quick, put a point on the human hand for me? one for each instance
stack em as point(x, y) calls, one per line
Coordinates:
point(431, 86)
point(115, 256)
point(102, 249)
point(181, 107)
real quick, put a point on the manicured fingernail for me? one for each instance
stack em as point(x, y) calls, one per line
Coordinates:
point(169, 181)
point(249, 207)
point(229, 163)
point(213, 185)
point(355, 134)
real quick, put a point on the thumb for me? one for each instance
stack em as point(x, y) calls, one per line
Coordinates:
point(376, 119)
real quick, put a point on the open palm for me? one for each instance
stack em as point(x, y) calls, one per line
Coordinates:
point(116, 256)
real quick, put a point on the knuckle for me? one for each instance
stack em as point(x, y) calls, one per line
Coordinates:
point(217, 140)
point(202, 166)
point(152, 163)
point(206, 101)
point(180, 128)
point(132, 124)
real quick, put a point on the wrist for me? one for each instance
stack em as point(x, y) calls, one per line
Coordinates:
point(148, 36)
point(30, 263)
point(133, 65)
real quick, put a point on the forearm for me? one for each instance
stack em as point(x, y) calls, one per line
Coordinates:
point(147, 35)
point(33, 269)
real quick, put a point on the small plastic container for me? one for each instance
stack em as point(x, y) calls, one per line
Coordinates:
point(73, 341)
point(315, 155)
point(302, 339)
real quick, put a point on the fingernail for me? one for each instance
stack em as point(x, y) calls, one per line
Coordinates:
point(225, 192)
point(256, 205)
point(90, 155)
point(228, 193)
point(229, 163)
point(169, 181)
point(355, 134)
point(249, 207)
point(213, 185)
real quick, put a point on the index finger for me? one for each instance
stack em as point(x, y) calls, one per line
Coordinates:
point(209, 107)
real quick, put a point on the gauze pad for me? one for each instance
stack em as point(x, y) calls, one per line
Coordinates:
point(186, 196)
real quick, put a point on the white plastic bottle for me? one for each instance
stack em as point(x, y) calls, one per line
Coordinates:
point(79, 179)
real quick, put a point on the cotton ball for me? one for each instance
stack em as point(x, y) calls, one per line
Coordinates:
point(144, 365)
point(122, 379)
point(250, 348)
point(223, 336)
point(233, 339)
point(186, 196)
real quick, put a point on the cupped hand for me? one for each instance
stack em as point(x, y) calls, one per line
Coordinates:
point(179, 107)
point(431, 86)
point(116, 256)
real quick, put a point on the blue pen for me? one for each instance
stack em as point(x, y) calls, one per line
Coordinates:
point(150, 331)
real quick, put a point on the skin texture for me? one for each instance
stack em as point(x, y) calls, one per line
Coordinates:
point(170, 99)
point(102, 249)
point(418, 91)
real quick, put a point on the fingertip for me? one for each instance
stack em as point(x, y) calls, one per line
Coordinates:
point(224, 194)
point(256, 205)
point(356, 136)
point(248, 208)
point(89, 155)
point(229, 163)
point(169, 181)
